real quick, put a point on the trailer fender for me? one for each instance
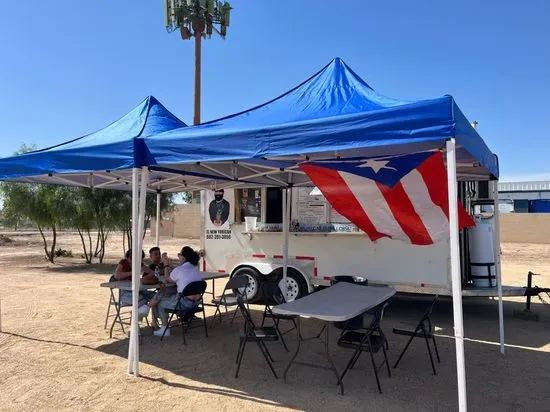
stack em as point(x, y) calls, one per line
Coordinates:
point(264, 268)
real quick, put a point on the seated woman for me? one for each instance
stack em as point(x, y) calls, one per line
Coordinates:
point(123, 271)
point(183, 275)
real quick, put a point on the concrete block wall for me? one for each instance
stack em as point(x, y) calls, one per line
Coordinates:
point(525, 228)
point(183, 222)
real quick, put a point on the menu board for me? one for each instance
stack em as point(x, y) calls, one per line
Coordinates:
point(311, 209)
point(336, 217)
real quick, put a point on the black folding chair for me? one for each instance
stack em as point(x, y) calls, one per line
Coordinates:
point(252, 333)
point(358, 322)
point(424, 329)
point(184, 314)
point(371, 340)
point(273, 294)
point(236, 286)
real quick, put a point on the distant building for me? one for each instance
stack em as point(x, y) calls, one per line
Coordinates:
point(524, 197)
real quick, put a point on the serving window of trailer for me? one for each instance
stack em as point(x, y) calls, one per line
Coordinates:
point(266, 204)
point(250, 203)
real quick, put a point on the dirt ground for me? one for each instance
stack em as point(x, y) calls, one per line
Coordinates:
point(56, 355)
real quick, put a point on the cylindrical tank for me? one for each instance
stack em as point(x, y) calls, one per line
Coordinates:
point(482, 252)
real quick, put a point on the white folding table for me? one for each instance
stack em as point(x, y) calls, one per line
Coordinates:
point(127, 285)
point(338, 303)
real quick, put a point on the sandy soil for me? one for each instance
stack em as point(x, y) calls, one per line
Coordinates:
point(56, 355)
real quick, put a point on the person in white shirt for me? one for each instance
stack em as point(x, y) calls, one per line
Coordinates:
point(183, 275)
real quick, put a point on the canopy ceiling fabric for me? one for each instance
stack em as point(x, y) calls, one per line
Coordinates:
point(115, 147)
point(332, 115)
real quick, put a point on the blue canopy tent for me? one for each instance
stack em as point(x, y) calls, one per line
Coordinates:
point(113, 148)
point(332, 115)
point(97, 160)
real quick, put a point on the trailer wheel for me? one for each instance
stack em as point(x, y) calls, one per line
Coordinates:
point(295, 283)
point(254, 288)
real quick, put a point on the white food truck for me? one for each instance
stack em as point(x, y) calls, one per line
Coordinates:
point(242, 234)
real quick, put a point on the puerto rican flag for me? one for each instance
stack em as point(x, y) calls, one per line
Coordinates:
point(402, 198)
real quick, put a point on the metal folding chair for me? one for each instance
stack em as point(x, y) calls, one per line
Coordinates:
point(273, 293)
point(371, 340)
point(235, 287)
point(185, 315)
point(122, 315)
point(252, 333)
point(424, 329)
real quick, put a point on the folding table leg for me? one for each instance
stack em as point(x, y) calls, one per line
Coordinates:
point(108, 309)
point(295, 354)
point(329, 358)
point(117, 315)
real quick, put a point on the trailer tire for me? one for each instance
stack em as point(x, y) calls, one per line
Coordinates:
point(295, 282)
point(254, 289)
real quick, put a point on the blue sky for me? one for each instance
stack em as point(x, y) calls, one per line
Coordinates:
point(70, 68)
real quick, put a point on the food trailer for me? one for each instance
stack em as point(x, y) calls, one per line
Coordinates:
point(323, 244)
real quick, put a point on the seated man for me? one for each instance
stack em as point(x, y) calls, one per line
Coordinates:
point(163, 264)
point(159, 261)
point(183, 275)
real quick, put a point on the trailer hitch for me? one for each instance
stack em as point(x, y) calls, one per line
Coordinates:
point(531, 291)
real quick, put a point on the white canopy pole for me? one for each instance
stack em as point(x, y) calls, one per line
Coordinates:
point(157, 240)
point(136, 265)
point(286, 224)
point(141, 231)
point(455, 274)
point(497, 266)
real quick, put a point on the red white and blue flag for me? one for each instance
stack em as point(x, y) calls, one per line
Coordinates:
point(402, 197)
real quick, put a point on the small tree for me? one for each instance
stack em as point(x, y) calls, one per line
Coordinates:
point(43, 205)
point(80, 216)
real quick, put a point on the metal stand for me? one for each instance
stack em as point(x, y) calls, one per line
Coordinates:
point(324, 329)
point(526, 314)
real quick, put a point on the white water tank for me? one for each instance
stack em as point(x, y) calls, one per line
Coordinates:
point(482, 252)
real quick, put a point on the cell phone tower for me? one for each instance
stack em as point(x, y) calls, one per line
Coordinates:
point(197, 19)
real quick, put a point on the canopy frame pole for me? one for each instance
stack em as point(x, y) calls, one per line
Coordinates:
point(455, 273)
point(286, 224)
point(141, 231)
point(135, 272)
point(497, 267)
point(157, 240)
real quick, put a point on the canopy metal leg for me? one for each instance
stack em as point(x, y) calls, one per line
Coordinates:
point(497, 267)
point(286, 224)
point(455, 274)
point(136, 257)
point(157, 240)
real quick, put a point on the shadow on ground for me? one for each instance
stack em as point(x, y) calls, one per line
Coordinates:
point(315, 389)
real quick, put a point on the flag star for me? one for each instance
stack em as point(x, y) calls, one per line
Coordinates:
point(377, 165)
